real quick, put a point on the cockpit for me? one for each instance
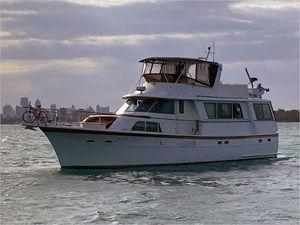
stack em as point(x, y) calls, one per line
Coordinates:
point(180, 70)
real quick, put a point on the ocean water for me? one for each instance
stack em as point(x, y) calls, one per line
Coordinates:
point(35, 191)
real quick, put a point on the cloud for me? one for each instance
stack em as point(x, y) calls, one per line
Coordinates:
point(7, 13)
point(254, 6)
point(55, 48)
point(4, 34)
point(132, 39)
point(85, 65)
point(106, 3)
point(64, 82)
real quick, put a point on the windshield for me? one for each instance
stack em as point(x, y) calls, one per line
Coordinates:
point(150, 105)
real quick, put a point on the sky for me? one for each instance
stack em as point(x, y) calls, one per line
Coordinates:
point(86, 52)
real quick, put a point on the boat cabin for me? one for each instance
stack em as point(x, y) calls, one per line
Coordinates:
point(181, 70)
point(185, 96)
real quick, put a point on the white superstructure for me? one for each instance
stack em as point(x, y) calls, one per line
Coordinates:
point(181, 113)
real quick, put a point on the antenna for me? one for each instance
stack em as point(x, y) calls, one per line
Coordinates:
point(210, 50)
point(251, 79)
point(213, 51)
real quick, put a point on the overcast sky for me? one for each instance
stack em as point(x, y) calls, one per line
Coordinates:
point(86, 52)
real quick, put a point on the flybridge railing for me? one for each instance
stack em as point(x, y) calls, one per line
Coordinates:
point(132, 89)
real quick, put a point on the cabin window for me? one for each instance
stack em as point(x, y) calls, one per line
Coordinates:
point(145, 105)
point(139, 126)
point(146, 126)
point(132, 105)
point(262, 111)
point(163, 106)
point(169, 69)
point(156, 68)
point(153, 127)
point(92, 119)
point(202, 73)
point(210, 109)
point(237, 111)
point(150, 105)
point(181, 106)
point(192, 71)
point(147, 68)
point(224, 111)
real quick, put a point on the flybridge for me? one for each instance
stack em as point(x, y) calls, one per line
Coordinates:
point(181, 70)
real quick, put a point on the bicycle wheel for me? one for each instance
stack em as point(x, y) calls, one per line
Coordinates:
point(29, 117)
point(43, 117)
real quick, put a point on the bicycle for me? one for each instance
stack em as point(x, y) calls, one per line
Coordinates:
point(32, 115)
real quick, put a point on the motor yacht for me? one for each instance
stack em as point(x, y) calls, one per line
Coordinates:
point(178, 112)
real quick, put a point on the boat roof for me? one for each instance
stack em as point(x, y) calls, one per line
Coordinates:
point(176, 59)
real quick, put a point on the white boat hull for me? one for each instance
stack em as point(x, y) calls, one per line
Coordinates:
point(82, 148)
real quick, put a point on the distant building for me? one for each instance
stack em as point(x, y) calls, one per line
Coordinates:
point(19, 111)
point(24, 102)
point(52, 107)
point(81, 114)
point(102, 109)
point(37, 103)
point(62, 114)
point(98, 108)
point(8, 111)
point(90, 109)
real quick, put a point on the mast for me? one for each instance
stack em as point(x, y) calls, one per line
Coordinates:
point(213, 51)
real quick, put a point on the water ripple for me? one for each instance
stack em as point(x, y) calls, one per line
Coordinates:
point(35, 191)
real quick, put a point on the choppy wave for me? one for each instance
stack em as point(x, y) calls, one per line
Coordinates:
point(35, 190)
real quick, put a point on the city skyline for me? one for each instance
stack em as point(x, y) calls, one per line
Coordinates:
point(18, 109)
point(58, 106)
point(97, 60)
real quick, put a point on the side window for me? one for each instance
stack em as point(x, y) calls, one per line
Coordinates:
point(202, 72)
point(237, 111)
point(258, 111)
point(267, 112)
point(153, 127)
point(147, 68)
point(192, 71)
point(210, 109)
point(181, 106)
point(224, 111)
point(139, 126)
point(156, 68)
point(262, 111)
point(168, 69)
point(163, 106)
point(146, 126)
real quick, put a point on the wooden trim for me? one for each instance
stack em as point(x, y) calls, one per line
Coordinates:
point(178, 136)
